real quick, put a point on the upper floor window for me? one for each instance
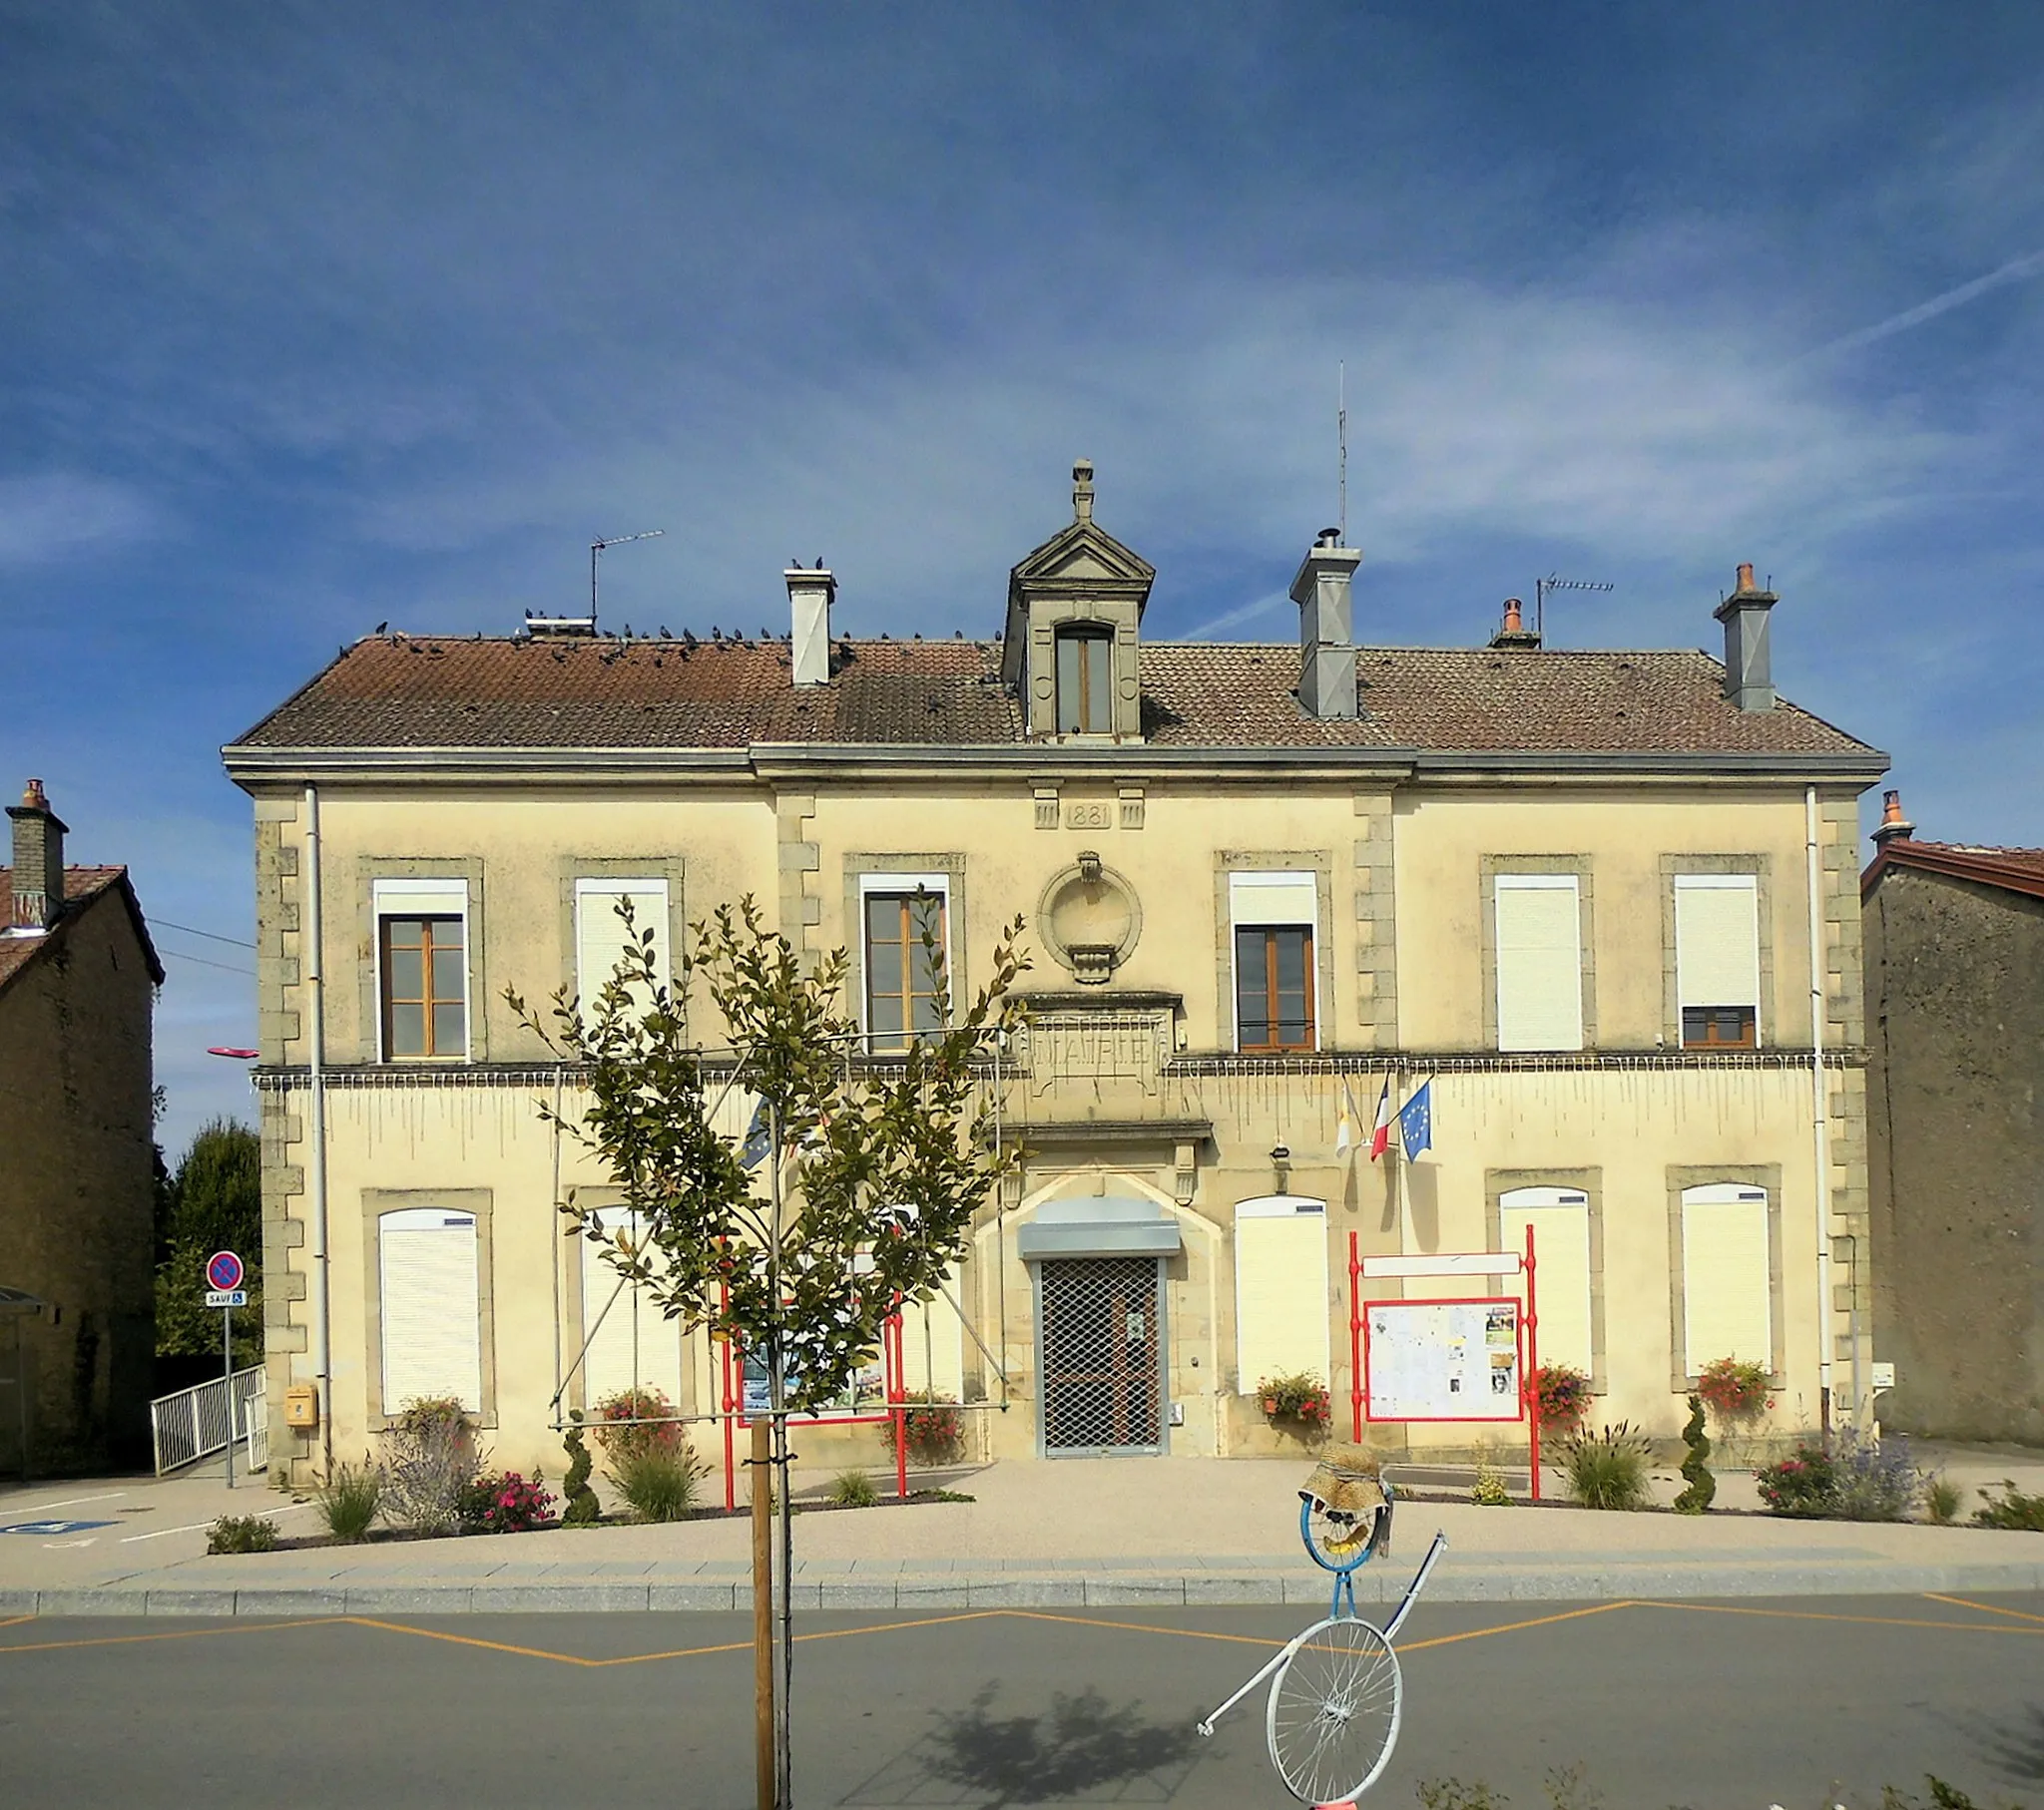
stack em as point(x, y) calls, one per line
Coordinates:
point(422, 968)
point(600, 934)
point(1716, 960)
point(1085, 681)
point(1273, 920)
point(1539, 962)
point(904, 944)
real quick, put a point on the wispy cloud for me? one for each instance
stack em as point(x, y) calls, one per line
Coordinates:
point(51, 516)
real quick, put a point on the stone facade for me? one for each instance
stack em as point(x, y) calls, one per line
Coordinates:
point(1950, 1122)
point(77, 993)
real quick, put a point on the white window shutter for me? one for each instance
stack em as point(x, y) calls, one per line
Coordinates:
point(600, 931)
point(636, 1343)
point(1717, 940)
point(1560, 1219)
point(1273, 899)
point(1539, 963)
point(1726, 1288)
point(933, 1346)
point(1280, 1289)
point(430, 1307)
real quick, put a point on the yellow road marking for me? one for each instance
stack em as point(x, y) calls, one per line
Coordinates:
point(1993, 1609)
point(186, 1634)
point(683, 1652)
point(1512, 1628)
point(495, 1646)
point(16, 1620)
point(1139, 1627)
point(1804, 1615)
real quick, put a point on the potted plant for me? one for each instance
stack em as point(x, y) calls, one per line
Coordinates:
point(1297, 1403)
point(1737, 1390)
point(1563, 1394)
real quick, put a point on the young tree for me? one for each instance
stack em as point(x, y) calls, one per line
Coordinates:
point(214, 1202)
point(866, 1176)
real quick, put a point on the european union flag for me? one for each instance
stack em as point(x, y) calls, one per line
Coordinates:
point(1415, 1121)
point(758, 1139)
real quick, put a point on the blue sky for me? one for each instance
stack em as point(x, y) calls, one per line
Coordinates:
point(316, 318)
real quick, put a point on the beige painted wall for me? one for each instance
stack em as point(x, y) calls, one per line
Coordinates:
point(1172, 839)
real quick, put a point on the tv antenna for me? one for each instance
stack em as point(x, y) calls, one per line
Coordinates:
point(1542, 586)
point(596, 551)
point(1341, 436)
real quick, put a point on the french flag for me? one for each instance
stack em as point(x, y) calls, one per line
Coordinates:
point(1380, 1137)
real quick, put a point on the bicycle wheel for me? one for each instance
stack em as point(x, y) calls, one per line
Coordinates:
point(1333, 1711)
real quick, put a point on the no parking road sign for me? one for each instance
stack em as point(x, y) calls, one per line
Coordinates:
point(224, 1272)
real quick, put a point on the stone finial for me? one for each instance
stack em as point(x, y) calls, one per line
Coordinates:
point(1081, 491)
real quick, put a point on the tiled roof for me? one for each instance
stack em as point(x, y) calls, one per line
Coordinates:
point(403, 691)
point(82, 885)
point(2012, 869)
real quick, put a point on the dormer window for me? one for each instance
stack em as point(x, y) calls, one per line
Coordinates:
point(1084, 680)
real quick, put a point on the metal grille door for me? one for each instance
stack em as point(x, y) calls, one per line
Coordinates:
point(1102, 1354)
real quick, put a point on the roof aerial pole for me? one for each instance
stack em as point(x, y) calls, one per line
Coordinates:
point(1341, 437)
point(595, 552)
point(1542, 586)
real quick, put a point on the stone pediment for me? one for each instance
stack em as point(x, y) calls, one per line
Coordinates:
point(1082, 552)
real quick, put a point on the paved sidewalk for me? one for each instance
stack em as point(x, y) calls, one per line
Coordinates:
point(1073, 1532)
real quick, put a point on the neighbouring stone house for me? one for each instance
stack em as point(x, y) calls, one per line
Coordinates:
point(1955, 939)
point(78, 981)
point(1589, 896)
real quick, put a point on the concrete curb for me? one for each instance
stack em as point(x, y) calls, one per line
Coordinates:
point(1608, 1581)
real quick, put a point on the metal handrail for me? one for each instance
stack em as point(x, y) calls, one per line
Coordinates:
point(191, 1424)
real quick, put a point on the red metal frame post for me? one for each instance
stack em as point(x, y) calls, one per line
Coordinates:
point(1532, 1383)
point(890, 1359)
point(1356, 1336)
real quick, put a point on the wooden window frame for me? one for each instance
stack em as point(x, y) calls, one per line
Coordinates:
point(1093, 640)
point(910, 945)
point(1275, 1046)
point(429, 1003)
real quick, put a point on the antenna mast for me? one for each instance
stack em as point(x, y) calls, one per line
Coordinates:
point(595, 550)
point(1542, 586)
point(1341, 436)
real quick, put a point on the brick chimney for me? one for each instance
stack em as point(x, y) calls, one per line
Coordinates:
point(810, 596)
point(1327, 638)
point(1894, 827)
point(38, 861)
point(1749, 680)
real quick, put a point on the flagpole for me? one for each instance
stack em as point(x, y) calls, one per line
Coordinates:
point(1405, 1240)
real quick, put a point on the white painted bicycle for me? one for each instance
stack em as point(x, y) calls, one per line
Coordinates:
point(1337, 1693)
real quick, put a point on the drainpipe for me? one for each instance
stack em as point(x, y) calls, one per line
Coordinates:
point(315, 1181)
point(1819, 1113)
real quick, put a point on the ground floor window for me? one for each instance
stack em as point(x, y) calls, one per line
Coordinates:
point(429, 1307)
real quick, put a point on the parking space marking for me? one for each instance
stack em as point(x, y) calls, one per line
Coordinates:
point(681, 1652)
point(183, 1633)
point(1141, 1627)
point(1806, 1614)
point(1993, 1609)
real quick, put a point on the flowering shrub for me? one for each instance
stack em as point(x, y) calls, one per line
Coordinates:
point(1302, 1400)
point(1735, 1390)
point(1563, 1393)
point(933, 1428)
point(430, 1464)
point(509, 1504)
point(634, 1420)
point(1800, 1483)
point(1850, 1478)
